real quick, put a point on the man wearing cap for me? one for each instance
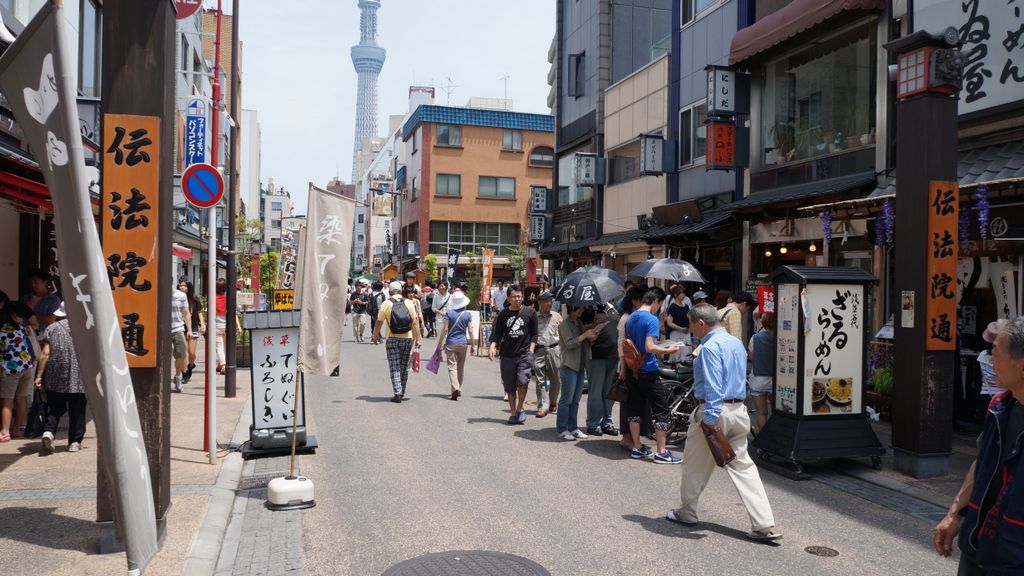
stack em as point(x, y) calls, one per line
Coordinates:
point(700, 297)
point(546, 357)
point(400, 342)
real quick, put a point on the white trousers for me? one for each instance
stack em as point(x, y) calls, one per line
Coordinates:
point(698, 464)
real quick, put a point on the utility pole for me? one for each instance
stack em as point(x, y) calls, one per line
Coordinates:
point(138, 66)
point(230, 336)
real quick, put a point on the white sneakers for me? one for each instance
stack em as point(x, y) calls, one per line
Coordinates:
point(574, 435)
point(567, 435)
point(74, 447)
point(48, 442)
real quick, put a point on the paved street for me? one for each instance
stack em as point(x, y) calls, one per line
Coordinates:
point(398, 481)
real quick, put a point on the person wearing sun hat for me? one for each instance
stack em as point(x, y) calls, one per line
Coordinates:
point(989, 387)
point(454, 339)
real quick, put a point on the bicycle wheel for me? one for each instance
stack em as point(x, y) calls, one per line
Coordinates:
point(681, 404)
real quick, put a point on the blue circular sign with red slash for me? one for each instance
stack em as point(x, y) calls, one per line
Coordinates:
point(203, 185)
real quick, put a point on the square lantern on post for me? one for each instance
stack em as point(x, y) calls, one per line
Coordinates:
point(935, 67)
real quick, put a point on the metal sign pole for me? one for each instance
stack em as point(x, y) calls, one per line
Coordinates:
point(211, 335)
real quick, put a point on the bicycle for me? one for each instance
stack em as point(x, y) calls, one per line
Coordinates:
point(678, 382)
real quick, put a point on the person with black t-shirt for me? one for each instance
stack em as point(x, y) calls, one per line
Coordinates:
point(514, 338)
point(360, 300)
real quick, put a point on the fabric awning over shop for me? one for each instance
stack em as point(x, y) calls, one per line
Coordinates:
point(788, 21)
point(711, 220)
point(181, 252)
point(800, 192)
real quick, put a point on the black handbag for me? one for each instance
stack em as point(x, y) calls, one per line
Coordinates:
point(37, 415)
point(619, 391)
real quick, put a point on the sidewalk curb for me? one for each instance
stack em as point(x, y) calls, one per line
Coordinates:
point(883, 481)
point(212, 535)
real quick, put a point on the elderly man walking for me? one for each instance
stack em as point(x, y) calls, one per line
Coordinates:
point(546, 358)
point(403, 333)
point(719, 372)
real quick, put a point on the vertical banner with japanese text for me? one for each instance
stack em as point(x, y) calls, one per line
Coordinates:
point(943, 223)
point(487, 275)
point(130, 220)
point(325, 267)
point(37, 77)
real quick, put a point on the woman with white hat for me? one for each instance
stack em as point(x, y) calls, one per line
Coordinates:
point(454, 337)
point(60, 376)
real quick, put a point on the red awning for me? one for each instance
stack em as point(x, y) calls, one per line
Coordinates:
point(181, 252)
point(788, 21)
point(28, 192)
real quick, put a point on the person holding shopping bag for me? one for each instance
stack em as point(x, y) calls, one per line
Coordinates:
point(454, 339)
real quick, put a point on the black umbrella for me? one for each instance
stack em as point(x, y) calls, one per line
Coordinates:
point(668, 269)
point(590, 286)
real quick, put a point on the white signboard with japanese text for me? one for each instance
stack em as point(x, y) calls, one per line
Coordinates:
point(586, 169)
point(721, 87)
point(652, 148)
point(538, 200)
point(274, 352)
point(993, 45)
point(786, 347)
point(834, 349)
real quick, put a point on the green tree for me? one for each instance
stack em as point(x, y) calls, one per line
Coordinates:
point(430, 267)
point(473, 281)
point(269, 263)
point(517, 261)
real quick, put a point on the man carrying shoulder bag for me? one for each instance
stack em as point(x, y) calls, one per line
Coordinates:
point(719, 372)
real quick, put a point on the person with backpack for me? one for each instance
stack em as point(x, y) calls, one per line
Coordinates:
point(403, 333)
point(377, 297)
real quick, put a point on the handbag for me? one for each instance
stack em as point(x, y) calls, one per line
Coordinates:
point(37, 415)
point(632, 357)
point(718, 444)
point(434, 364)
point(618, 392)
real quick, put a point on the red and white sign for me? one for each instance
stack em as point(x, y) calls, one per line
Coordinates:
point(202, 185)
point(187, 8)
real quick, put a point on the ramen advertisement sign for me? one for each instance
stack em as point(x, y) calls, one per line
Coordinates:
point(833, 349)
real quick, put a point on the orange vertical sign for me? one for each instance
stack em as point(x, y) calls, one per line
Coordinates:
point(131, 221)
point(721, 145)
point(487, 277)
point(943, 222)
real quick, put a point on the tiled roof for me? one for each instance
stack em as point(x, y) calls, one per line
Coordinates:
point(981, 166)
point(562, 247)
point(617, 238)
point(478, 117)
point(802, 191)
point(711, 220)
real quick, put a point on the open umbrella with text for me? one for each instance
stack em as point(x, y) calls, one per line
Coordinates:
point(668, 269)
point(590, 286)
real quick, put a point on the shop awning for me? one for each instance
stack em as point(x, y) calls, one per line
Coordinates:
point(802, 192)
point(617, 238)
point(788, 21)
point(711, 220)
point(181, 252)
point(996, 166)
point(563, 247)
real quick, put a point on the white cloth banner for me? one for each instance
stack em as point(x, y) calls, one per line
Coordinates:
point(325, 265)
point(1004, 284)
point(37, 78)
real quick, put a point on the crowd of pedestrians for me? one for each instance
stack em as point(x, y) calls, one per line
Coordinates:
point(557, 352)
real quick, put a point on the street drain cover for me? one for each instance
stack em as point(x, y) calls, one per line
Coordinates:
point(822, 551)
point(467, 563)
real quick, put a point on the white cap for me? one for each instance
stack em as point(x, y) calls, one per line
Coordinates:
point(395, 287)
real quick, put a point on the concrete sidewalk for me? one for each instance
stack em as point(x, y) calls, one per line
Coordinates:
point(48, 503)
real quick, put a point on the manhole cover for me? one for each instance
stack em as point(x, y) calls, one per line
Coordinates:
point(467, 563)
point(822, 551)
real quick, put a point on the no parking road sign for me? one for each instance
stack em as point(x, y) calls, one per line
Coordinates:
point(203, 185)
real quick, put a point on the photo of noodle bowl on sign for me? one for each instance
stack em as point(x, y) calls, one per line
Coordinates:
point(832, 395)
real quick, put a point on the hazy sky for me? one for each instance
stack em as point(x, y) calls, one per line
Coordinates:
point(298, 76)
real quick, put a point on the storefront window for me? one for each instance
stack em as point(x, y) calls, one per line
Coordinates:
point(820, 100)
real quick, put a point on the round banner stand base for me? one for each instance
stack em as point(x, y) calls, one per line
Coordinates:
point(290, 493)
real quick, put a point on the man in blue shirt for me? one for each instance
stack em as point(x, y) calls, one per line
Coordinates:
point(643, 328)
point(719, 373)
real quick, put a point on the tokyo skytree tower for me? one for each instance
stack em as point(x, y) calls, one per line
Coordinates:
point(368, 59)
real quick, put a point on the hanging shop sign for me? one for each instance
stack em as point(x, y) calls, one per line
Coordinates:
point(721, 144)
point(652, 151)
point(940, 299)
point(131, 224)
point(721, 91)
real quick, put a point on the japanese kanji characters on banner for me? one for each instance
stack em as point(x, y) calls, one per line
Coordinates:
point(131, 221)
point(940, 297)
point(274, 354)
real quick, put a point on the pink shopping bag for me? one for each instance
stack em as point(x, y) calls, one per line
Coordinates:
point(434, 364)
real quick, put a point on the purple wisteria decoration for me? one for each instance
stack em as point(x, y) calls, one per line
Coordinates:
point(889, 221)
point(983, 211)
point(965, 231)
point(826, 225)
